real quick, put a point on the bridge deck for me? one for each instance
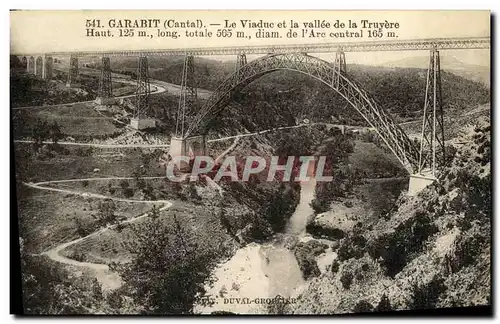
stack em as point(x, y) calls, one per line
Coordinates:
point(373, 46)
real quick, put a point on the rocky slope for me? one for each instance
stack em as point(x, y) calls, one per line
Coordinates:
point(431, 251)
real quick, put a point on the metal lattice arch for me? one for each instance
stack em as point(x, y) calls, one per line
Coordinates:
point(359, 99)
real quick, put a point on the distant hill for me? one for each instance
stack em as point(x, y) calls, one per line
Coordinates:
point(479, 73)
point(209, 73)
point(284, 97)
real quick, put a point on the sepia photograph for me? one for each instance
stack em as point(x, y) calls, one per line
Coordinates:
point(250, 162)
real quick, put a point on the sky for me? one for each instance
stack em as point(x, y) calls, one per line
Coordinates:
point(53, 31)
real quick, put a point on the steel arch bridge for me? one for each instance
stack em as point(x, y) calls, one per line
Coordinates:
point(334, 77)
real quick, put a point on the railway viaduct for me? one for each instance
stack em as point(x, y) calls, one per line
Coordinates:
point(422, 161)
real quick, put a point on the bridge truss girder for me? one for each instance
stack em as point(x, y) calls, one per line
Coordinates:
point(73, 70)
point(432, 145)
point(370, 110)
point(105, 85)
point(39, 67)
point(339, 67)
point(188, 96)
point(241, 59)
point(48, 63)
point(143, 89)
point(371, 46)
point(30, 67)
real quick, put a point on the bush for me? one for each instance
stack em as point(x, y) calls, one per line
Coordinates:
point(466, 251)
point(128, 192)
point(279, 207)
point(346, 279)
point(106, 212)
point(363, 307)
point(114, 299)
point(335, 266)
point(169, 268)
point(426, 296)
point(352, 247)
point(124, 184)
point(78, 256)
point(305, 254)
point(399, 247)
point(84, 227)
point(384, 304)
point(48, 288)
point(120, 227)
point(319, 231)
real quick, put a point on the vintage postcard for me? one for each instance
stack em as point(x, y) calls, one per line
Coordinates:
point(251, 162)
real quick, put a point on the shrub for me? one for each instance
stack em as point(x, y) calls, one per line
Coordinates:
point(466, 251)
point(352, 247)
point(384, 305)
point(124, 184)
point(128, 192)
point(319, 231)
point(84, 227)
point(335, 266)
point(106, 212)
point(78, 256)
point(305, 253)
point(346, 279)
point(399, 247)
point(363, 307)
point(114, 299)
point(169, 267)
point(426, 296)
point(120, 226)
point(309, 268)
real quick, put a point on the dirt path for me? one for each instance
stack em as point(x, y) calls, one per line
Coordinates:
point(100, 145)
point(161, 145)
point(156, 84)
point(108, 279)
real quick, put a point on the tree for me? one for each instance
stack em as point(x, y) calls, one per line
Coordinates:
point(138, 174)
point(124, 184)
point(279, 208)
point(106, 212)
point(337, 150)
point(55, 132)
point(40, 132)
point(168, 268)
point(48, 290)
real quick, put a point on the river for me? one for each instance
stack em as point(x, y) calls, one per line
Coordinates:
point(263, 270)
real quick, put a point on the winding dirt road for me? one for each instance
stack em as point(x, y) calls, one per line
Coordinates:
point(108, 279)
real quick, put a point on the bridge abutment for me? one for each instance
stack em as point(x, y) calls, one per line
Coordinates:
point(142, 123)
point(190, 146)
point(419, 181)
